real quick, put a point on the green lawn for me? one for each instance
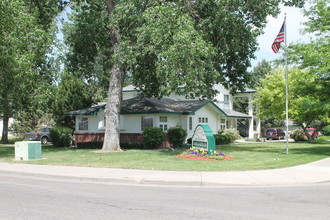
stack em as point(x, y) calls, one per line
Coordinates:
point(248, 156)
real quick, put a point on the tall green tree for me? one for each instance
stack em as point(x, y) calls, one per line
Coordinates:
point(71, 93)
point(258, 72)
point(24, 47)
point(18, 37)
point(163, 44)
point(305, 106)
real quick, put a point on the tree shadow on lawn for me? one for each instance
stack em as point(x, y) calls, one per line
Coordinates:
point(294, 148)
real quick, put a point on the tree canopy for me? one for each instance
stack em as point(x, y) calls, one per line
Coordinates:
point(25, 39)
point(309, 81)
point(161, 45)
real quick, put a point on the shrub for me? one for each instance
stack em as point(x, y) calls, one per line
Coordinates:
point(61, 136)
point(326, 131)
point(232, 133)
point(189, 140)
point(222, 139)
point(90, 145)
point(153, 137)
point(297, 135)
point(176, 136)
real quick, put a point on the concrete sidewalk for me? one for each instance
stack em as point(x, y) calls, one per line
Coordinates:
point(312, 173)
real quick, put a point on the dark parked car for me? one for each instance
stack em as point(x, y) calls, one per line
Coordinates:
point(42, 136)
point(275, 133)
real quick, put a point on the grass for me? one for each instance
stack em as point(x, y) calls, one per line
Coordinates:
point(248, 156)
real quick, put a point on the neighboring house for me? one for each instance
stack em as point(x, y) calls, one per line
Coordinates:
point(140, 113)
point(10, 122)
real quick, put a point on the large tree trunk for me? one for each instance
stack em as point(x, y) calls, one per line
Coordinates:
point(4, 136)
point(112, 112)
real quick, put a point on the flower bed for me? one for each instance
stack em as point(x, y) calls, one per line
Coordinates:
point(200, 154)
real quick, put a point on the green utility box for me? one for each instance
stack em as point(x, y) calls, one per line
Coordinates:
point(28, 150)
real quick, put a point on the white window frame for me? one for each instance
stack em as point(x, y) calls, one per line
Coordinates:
point(163, 123)
point(223, 124)
point(226, 98)
point(145, 124)
point(83, 124)
point(203, 120)
point(190, 123)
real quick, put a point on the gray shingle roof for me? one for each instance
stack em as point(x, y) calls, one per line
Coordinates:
point(150, 105)
point(153, 105)
point(164, 105)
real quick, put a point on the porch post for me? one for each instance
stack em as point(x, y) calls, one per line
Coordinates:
point(251, 120)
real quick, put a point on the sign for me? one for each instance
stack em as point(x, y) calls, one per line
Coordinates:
point(203, 138)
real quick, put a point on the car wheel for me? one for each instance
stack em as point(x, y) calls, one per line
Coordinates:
point(44, 140)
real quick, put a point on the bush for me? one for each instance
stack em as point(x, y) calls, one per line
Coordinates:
point(222, 139)
point(326, 131)
point(61, 136)
point(232, 133)
point(176, 136)
point(90, 145)
point(297, 135)
point(189, 141)
point(153, 137)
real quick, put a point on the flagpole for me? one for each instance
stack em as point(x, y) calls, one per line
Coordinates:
point(286, 88)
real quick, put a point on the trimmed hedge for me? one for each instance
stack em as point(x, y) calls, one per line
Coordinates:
point(90, 145)
point(176, 136)
point(99, 144)
point(222, 139)
point(153, 137)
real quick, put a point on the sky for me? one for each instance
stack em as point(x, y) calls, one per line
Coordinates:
point(294, 20)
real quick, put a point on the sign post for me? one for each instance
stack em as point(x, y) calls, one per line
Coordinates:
point(203, 138)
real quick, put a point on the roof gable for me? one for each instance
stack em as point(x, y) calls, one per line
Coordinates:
point(87, 111)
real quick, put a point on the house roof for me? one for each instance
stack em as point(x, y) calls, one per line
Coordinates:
point(151, 105)
point(156, 106)
point(86, 111)
point(235, 114)
point(164, 105)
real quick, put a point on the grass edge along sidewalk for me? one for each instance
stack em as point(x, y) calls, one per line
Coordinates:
point(248, 156)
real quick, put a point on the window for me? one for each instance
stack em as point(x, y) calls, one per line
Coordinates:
point(83, 124)
point(163, 123)
point(203, 120)
point(162, 119)
point(190, 123)
point(222, 124)
point(226, 98)
point(146, 122)
point(163, 127)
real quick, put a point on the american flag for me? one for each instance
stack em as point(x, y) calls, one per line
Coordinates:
point(279, 39)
